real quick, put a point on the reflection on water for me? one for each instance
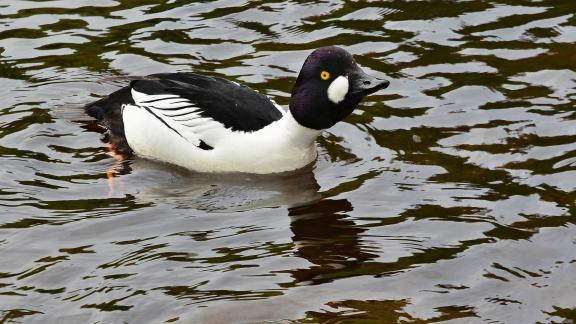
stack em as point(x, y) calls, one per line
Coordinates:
point(448, 196)
point(230, 192)
point(324, 237)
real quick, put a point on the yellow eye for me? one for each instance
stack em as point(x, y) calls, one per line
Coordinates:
point(324, 75)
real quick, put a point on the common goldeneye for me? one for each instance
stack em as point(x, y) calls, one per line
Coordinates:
point(210, 124)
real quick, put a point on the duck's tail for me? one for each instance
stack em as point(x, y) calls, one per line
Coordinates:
point(108, 112)
point(110, 107)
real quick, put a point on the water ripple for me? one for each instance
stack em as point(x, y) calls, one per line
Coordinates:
point(448, 196)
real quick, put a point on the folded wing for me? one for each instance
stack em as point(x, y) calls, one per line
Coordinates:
point(201, 109)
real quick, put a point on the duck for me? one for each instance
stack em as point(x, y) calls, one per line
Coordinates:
point(210, 124)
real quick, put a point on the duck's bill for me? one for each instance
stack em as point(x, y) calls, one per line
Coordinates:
point(362, 84)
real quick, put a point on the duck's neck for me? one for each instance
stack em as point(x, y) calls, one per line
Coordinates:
point(295, 133)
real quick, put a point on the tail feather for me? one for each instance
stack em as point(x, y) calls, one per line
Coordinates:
point(111, 106)
point(96, 110)
point(108, 112)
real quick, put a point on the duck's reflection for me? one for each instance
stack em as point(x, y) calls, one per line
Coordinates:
point(326, 237)
point(161, 183)
point(323, 232)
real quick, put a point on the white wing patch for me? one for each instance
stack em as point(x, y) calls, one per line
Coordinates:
point(182, 116)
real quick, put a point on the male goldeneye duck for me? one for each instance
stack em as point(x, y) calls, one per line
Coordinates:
point(209, 124)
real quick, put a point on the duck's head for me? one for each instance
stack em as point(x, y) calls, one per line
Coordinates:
point(329, 87)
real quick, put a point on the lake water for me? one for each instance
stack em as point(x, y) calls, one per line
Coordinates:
point(448, 197)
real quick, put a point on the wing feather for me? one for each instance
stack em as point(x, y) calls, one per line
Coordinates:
point(203, 110)
point(181, 116)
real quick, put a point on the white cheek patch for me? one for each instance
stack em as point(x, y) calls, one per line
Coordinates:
point(338, 89)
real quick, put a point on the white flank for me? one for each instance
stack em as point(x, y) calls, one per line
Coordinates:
point(338, 89)
point(283, 145)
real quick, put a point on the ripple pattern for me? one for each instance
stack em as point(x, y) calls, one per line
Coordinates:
point(450, 196)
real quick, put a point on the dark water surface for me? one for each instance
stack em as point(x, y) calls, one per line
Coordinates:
point(449, 196)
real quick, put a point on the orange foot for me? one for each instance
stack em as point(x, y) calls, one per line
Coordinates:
point(112, 170)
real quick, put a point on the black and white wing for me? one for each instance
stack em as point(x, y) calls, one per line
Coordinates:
point(198, 108)
point(236, 107)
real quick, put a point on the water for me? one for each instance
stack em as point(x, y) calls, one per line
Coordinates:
point(449, 196)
